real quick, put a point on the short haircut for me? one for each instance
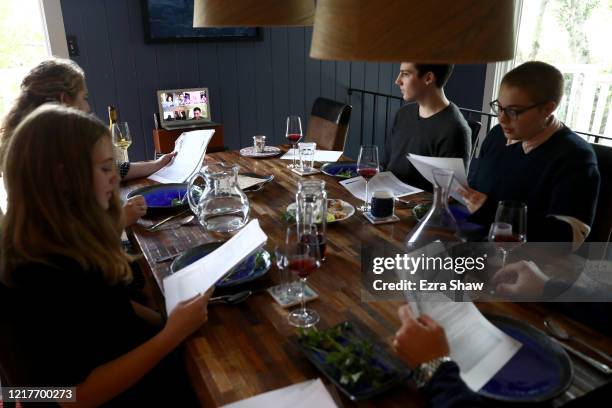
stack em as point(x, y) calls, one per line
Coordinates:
point(197, 109)
point(542, 82)
point(441, 71)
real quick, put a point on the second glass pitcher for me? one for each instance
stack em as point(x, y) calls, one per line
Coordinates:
point(438, 224)
point(222, 206)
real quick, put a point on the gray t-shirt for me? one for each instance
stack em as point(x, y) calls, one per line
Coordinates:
point(445, 134)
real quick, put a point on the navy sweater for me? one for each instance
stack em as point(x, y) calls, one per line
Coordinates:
point(559, 177)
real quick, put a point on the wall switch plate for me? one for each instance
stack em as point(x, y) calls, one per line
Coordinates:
point(73, 46)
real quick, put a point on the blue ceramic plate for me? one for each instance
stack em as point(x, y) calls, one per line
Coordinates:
point(394, 372)
point(160, 197)
point(343, 170)
point(250, 269)
point(539, 371)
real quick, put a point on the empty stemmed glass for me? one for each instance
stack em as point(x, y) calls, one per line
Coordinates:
point(367, 167)
point(287, 291)
point(294, 135)
point(509, 230)
point(302, 257)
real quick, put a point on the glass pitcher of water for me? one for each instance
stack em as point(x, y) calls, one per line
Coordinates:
point(220, 205)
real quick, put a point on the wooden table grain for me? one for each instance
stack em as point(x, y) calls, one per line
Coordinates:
point(250, 348)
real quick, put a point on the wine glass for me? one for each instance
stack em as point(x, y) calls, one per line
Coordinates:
point(294, 135)
point(301, 250)
point(367, 167)
point(509, 231)
point(122, 139)
point(287, 291)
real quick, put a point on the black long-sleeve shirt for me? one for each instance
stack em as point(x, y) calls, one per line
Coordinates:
point(558, 178)
point(445, 134)
point(58, 323)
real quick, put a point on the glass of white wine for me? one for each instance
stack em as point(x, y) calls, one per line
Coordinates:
point(122, 139)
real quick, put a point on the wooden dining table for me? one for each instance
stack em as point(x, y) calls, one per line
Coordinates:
point(249, 348)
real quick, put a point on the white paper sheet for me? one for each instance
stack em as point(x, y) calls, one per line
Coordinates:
point(320, 155)
point(307, 394)
point(478, 347)
point(382, 181)
point(425, 164)
point(205, 272)
point(191, 148)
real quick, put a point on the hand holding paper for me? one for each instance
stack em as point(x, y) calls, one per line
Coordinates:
point(190, 148)
point(479, 348)
point(473, 199)
point(205, 272)
point(425, 164)
point(419, 339)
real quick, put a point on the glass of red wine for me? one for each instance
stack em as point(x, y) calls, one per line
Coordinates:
point(509, 231)
point(303, 256)
point(294, 135)
point(367, 167)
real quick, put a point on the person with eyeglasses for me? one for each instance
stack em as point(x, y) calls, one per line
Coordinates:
point(532, 157)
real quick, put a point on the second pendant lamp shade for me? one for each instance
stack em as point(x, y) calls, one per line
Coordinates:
point(434, 31)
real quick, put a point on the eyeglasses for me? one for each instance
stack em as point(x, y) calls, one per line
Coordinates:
point(511, 113)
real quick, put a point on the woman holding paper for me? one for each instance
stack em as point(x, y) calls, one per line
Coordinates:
point(66, 314)
point(534, 158)
point(63, 81)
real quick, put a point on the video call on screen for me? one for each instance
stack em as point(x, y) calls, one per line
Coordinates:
point(188, 105)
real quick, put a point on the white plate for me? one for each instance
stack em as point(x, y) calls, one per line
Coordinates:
point(347, 208)
point(269, 151)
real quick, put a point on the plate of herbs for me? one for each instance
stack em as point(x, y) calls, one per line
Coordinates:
point(163, 198)
point(343, 170)
point(350, 358)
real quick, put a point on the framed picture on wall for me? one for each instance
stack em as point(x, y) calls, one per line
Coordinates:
point(172, 21)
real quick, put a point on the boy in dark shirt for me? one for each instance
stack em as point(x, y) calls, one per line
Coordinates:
point(432, 126)
point(534, 158)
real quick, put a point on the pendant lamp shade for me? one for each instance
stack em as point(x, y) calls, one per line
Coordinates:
point(433, 31)
point(251, 13)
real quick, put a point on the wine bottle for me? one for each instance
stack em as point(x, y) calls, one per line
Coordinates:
point(112, 117)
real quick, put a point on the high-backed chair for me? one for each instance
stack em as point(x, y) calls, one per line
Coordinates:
point(473, 164)
point(328, 124)
point(602, 224)
point(475, 128)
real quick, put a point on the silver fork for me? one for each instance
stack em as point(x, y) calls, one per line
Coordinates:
point(155, 227)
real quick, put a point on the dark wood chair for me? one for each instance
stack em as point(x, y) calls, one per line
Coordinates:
point(475, 128)
point(328, 124)
point(601, 231)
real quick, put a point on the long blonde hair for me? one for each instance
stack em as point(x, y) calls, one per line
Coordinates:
point(46, 82)
point(52, 209)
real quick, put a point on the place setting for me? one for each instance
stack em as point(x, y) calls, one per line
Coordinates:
point(260, 150)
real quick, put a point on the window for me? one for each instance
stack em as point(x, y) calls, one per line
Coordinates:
point(22, 45)
point(25, 39)
point(574, 36)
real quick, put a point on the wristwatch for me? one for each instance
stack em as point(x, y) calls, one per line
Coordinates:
point(423, 374)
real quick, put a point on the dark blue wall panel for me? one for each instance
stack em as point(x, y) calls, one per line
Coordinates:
point(253, 85)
